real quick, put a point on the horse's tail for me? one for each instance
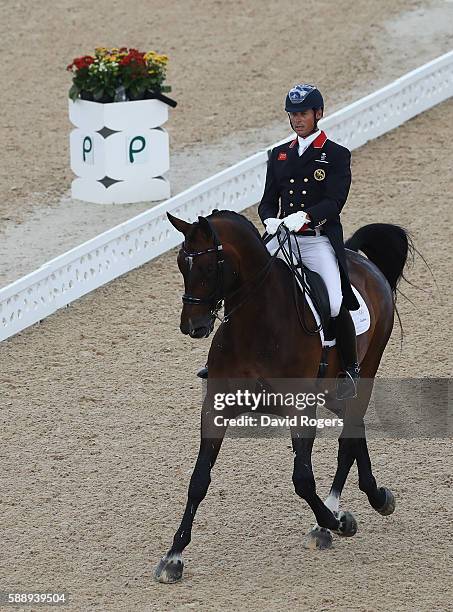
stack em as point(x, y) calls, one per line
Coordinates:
point(386, 245)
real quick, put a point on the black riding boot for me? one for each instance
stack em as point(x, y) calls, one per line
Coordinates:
point(203, 372)
point(347, 347)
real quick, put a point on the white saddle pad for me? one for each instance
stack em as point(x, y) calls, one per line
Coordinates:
point(361, 318)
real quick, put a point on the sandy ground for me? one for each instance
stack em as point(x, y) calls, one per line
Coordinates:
point(100, 431)
point(230, 89)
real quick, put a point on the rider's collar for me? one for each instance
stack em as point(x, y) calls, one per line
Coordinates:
point(306, 142)
point(318, 142)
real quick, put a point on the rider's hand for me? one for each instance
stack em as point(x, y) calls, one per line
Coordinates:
point(296, 221)
point(272, 225)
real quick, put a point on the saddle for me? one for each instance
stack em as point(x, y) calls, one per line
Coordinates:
point(317, 297)
point(317, 291)
point(312, 286)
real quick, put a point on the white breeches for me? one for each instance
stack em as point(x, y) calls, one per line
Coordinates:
point(317, 254)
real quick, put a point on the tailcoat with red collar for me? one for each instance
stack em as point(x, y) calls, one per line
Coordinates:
point(317, 182)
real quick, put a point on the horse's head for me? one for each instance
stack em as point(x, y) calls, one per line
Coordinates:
point(202, 264)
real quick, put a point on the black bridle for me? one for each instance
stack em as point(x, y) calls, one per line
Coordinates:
point(217, 296)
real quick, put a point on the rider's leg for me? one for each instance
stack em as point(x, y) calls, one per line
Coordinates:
point(347, 347)
point(317, 254)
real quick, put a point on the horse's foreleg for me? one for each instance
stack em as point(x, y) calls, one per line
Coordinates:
point(305, 487)
point(320, 537)
point(170, 567)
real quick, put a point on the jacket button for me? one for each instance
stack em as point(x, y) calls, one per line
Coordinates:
point(291, 192)
point(305, 180)
point(291, 180)
point(304, 192)
point(291, 204)
point(302, 205)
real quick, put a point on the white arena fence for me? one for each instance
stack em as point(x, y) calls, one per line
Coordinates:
point(131, 244)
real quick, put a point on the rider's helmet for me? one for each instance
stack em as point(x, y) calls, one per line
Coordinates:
point(303, 97)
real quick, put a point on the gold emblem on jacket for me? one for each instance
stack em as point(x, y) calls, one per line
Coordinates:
point(319, 174)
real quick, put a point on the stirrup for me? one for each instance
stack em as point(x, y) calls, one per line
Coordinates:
point(203, 372)
point(347, 383)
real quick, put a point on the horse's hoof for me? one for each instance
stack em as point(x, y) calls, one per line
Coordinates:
point(318, 539)
point(390, 503)
point(348, 525)
point(169, 569)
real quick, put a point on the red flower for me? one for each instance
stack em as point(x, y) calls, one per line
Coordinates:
point(81, 62)
point(133, 57)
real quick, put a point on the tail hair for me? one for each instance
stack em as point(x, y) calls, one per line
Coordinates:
point(391, 248)
point(386, 245)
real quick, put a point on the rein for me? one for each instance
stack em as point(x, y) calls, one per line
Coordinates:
point(298, 276)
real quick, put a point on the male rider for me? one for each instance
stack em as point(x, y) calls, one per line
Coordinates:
point(307, 184)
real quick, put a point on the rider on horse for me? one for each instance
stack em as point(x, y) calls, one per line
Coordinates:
point(307, 184)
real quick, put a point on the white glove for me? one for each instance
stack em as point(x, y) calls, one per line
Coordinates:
point(272, 225)
point(295, 221)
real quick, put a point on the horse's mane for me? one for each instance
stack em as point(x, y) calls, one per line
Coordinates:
point(234, 216)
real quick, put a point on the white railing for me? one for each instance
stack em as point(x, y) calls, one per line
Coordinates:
point(135, 242)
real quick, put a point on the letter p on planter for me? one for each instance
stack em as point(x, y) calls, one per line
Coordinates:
point(137, 146)
point(119, 151)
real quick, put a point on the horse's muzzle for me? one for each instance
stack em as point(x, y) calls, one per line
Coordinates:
point(196, 329)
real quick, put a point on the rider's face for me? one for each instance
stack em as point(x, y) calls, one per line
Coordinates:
point(303, 122)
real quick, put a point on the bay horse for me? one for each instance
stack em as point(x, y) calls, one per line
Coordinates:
point(224, 259)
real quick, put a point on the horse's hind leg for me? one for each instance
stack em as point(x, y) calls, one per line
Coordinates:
point(319, 537)
point(170, 567)
point(348, 450)
point(304, 483)
point(380, 498)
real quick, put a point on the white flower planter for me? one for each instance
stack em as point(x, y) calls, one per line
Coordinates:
point(119, 151)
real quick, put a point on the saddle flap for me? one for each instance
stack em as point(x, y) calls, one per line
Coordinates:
point(319, 296)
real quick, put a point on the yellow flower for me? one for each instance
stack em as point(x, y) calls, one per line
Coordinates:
point(101, 51)
point(161, 59)
point(152, 55)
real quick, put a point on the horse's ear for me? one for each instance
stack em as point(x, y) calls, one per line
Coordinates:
point(205, 227)
point(181, 225)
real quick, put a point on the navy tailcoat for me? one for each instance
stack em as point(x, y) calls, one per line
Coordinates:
point(317, 182)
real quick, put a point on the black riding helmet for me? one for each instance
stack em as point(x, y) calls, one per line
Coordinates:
point(303, 97)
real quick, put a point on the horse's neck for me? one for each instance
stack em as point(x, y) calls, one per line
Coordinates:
point(259, 287)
